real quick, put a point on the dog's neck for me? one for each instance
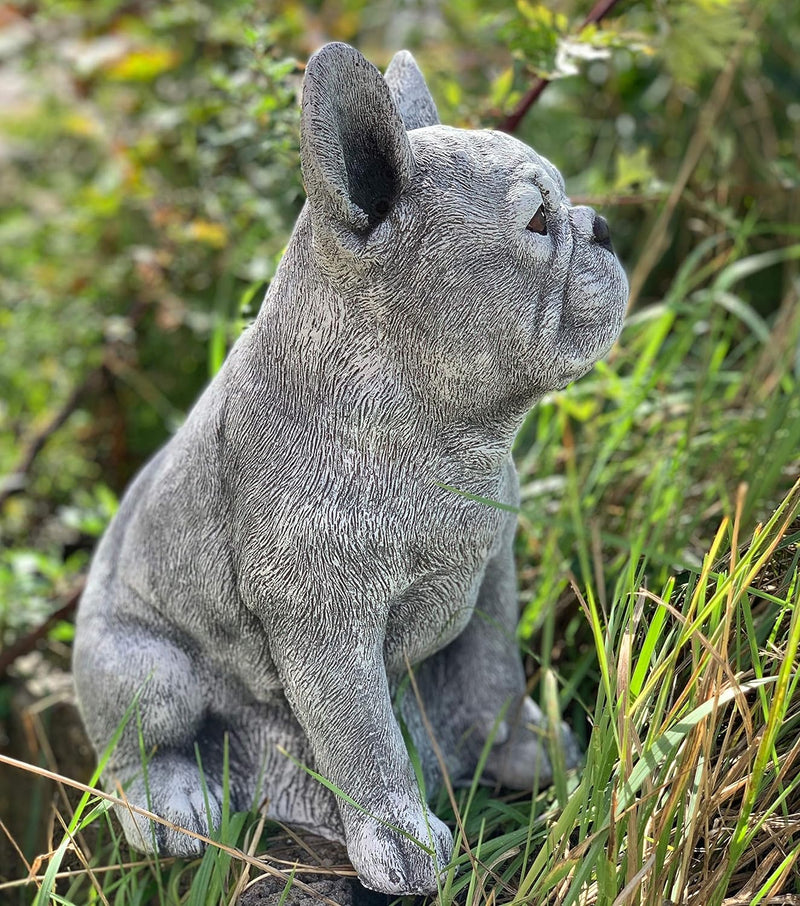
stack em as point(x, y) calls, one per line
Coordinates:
point(337, 362)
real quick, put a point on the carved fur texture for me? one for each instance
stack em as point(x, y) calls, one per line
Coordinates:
point(275, 567)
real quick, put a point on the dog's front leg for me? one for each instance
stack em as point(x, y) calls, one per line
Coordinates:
point(334, 677)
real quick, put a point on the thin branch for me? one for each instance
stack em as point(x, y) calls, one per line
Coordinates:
point(512, 121)
point(15, 481)
point(28, 642)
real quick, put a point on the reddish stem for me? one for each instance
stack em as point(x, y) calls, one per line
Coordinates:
point(510, 123)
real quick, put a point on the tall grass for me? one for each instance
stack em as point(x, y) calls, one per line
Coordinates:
point(659, 556)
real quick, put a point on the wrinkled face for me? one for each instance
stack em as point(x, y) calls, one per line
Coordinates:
point(512, 285)
point(460, 247)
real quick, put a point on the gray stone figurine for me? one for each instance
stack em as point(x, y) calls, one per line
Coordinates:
point(275, 567)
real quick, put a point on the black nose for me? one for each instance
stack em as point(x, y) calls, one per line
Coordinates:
point(601, 233)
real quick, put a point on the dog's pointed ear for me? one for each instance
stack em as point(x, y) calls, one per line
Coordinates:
point(354, 151)
point(410, 92)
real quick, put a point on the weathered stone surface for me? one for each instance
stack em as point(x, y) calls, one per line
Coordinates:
point(320, 520)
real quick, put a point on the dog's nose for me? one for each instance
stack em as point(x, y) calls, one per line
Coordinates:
point(601, 234)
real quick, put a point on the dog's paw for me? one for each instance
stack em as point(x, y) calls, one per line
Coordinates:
point(174, 792)
point(392, 863)
point(519, 757)
point(189, 810)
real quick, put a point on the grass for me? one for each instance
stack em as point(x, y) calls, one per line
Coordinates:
point(659, 556)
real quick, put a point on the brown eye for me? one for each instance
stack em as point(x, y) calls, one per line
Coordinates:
point(538, 223)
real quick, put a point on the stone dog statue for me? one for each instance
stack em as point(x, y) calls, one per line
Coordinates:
point(313, 527)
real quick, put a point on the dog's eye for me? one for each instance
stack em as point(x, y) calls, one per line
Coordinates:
point(538, 222)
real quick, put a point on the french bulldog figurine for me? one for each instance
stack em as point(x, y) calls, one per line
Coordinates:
point(320, 521)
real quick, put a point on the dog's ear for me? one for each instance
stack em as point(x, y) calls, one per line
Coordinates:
point(354, 151)
point(410, 92)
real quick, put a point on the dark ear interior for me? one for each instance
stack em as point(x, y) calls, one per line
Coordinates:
point(354, 150)
point(372, 178)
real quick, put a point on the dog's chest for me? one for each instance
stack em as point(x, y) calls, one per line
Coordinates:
point(356, 528)
point(427, 550)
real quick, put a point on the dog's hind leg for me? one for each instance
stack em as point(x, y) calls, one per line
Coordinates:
point(473, 690)
point(121, 668)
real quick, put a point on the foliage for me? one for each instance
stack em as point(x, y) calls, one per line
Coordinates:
point(149, 178)
point(148, 182)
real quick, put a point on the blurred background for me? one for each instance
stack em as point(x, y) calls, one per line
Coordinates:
point(149, 180)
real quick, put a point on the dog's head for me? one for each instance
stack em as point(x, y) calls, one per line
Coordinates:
point(460, 245)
